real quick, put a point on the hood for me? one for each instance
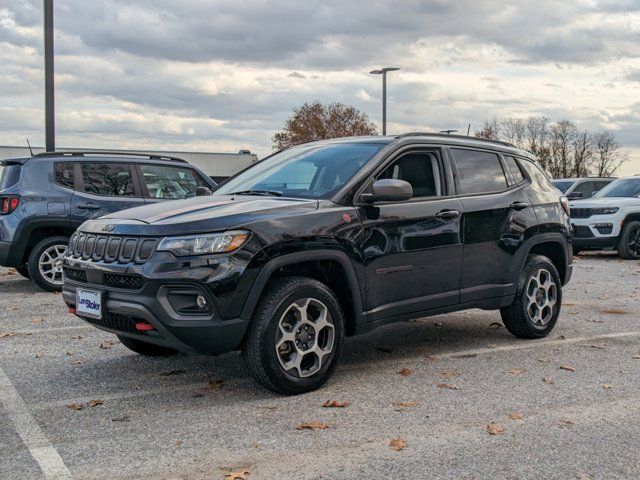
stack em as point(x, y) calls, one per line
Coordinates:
point(598, 202)
point(198, 215)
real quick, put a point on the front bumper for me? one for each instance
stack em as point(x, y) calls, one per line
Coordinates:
point(141, 295)
point(596, 234)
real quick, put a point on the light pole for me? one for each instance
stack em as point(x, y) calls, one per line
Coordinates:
point(383, 72)
point(49, 108)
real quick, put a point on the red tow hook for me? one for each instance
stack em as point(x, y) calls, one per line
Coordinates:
point(72, 310)
point(144, 326)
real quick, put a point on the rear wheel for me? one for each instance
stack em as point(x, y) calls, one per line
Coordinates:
point(296, 335)
point(45, 263)
point(536, 306)
point(146, 349)
point(629, 245)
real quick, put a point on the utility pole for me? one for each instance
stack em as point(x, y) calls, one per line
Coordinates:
point(49, 92)
point(383, 72)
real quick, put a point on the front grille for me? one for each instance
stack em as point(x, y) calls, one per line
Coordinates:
point(582, 232)
point(110, 248)
point(580, 212)
point(129, 282)
point(75, 274)
point(117, 321)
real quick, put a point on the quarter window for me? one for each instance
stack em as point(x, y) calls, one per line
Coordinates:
point(109, 179)
point(516, 176)
point(65, 175)
point(169, 182)
point(479, 172)
point(420, 169)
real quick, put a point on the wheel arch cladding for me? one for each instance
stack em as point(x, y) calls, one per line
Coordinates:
point(554, 251)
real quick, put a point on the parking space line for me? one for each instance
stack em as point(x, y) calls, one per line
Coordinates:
point(32, 436)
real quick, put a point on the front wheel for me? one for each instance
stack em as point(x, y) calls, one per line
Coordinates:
point(296, 336)
point(629, 245)
point(45, 263)
point(536, 306)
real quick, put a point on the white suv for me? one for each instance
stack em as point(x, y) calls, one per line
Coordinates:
point(609, 220)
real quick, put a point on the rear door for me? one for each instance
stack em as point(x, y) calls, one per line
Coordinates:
point(102, 188)
point(497, 220)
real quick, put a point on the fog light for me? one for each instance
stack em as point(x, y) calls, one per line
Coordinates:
point(201, 302)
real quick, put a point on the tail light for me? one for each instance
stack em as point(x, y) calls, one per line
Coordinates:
point(8, 204)
point(565, 204)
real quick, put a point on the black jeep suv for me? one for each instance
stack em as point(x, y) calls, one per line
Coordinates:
point(327, 240)
point(44, 198)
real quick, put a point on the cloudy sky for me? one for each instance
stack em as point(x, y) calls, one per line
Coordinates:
point(223, 75)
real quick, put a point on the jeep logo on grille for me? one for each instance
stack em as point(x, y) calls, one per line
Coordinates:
point(108, 228)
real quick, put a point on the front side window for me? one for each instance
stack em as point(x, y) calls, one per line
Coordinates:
point(169, 182)
point(585, 189)
point(306, 171)
point(479, 172)
point(65, 174)
point(626, 187)
point(420, 169)
point(108, 179)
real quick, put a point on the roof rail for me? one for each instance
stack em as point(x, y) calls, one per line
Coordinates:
point(447, 135)
point(150, 156)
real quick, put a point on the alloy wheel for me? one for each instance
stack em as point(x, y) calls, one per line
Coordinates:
point(634, 242)
point(305, 337)
point(50, 264)
point(542, 297)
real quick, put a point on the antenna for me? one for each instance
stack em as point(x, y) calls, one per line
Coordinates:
point(468, 130)
point(29, 145)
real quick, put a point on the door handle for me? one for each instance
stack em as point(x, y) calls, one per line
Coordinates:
point(447, 214)
point(88, 206)
point(518, 206)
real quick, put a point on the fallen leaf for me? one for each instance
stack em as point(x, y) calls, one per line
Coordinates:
point(465, 355)
point(449, 373)
point(94, 403)
point(335, 404)
point(397, 444)
point(405, 404)
point(568, 368)
point(548, 380)
point(239, 475)
point(583, 476)
point(516, 371)
point(606, 386)
point(77, 362)
point(597, 347)
point(495, 429)
point(495, 325)
point(7, 335)
point(71, 354)
point(39, 355)
point(433, 358)
point(450, 386)
point(636, 357)
point(439, 324)
point(124, 418)
point(566, 423)
point(37, 320)
point(106, 344)
point(172, 372)
point(77, 337)
point(315, 425)
point(214, 385)
point(615, 311)
point(516, 416)
point(544, 360)
point(75, 406)
point(405, 372)
point(179, 443)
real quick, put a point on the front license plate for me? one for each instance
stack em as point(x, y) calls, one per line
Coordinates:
point(89, 303)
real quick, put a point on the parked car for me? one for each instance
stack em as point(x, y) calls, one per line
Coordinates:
point(610, 220)
point(327, 240)
point(44, 198)
point(577, 188)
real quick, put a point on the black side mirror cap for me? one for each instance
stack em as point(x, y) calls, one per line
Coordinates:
point(391, 190)
point(202, 191)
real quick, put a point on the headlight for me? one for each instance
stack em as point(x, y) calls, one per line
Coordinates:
point(605, 211)
point(206, 243)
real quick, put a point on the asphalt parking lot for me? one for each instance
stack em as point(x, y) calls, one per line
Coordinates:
point(451, 397)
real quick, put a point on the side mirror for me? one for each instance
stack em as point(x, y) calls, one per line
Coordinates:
point(202, 191)
point(574, 195)
point(391, 190)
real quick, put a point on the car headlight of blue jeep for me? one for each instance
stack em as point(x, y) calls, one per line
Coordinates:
point(204, 244)
point(605, 211)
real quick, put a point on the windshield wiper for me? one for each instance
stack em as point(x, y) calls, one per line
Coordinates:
point(268, 193)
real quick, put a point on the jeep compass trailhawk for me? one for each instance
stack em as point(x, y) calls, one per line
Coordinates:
point(327, 240)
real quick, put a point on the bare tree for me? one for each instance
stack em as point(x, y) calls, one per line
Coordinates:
point(490, 130)
point(582, 153)
point(608, 157)
point(315, 121)
point(514, 130)
point(537, 135)
point(561, 138)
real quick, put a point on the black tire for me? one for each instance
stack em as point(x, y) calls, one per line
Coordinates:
point(629, 244)
point(146, 349)
point(33, 263)
point(517, 317)
point(266, 364)
point(24, 271)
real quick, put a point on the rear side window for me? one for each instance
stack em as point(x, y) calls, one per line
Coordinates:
point(10, 174)
point(108, 179)
point(479, 172)
point(515, 174)
point(169, 182)
point(537, 176)
point(65, 174)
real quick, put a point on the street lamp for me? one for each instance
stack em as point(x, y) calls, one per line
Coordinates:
point(383, 72)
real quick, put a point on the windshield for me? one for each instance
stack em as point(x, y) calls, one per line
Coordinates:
point(307, 171)
point(625, 187)
point(563, 185)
